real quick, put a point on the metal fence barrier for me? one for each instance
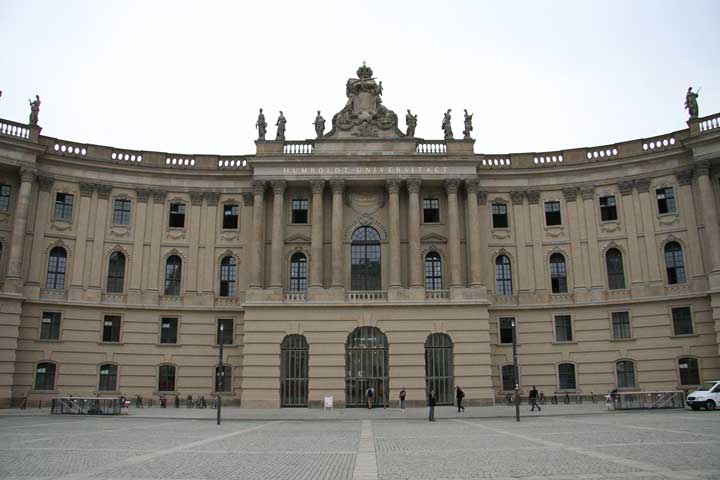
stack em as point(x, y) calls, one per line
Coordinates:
point(86, 406)
point(646, 400)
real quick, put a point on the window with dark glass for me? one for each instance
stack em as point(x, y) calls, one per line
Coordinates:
point(431, 210)
point(566, 376)
point(177, 215)
point(508, 377)
point(108, 378)
point(63, 206)
point(45, 376)
point(230, 216)
point(558, 273)
point(674, 263)
point(173, 275)
point(365, 259)
point(505, 325)
point(625, 374)
point(682, 321)
point(223, 378)
point(439, 369)
point(121, 211)
point(228, 275)
point(116, 273)
point(666, 200)
point(621, 325)
point(168, 330)
point(503, 276)
point(50, 326)
point(299, 210)
point(615, 271)
point(499, 215)
point(552, 213)
point(57, 263)
point(563, 328)
point(433, 271)
point(608, 208)
point(111, 328)
point(298, 272)
point(689, 371)
point(166, 378)
point(225, 331)
point(4, 198)
point(294, 371)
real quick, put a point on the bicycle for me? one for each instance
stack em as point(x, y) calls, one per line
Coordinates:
point(189, 402)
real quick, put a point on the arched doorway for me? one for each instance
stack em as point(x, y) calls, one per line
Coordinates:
point(294, 371)
point(439, 375)
point(366, 365)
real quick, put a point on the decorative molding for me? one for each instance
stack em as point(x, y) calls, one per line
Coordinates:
point(587, 192)
point(297, 238)
point(159, 196)
point(248, 199)
point(452, 185)
point(142, 194)
point(393, 185)
point(517, 197)
point(119, 231)
point(433, 237)
point(27, 174)
point(642, 185)
point(702, 168)
point(684, 177)
point(482, 197)
point(369, 222)
point(472, 185)
point(278, 186)
point(625, 187)
point(501, 233)
point(533, 196)
point(196, 198)
point(103, 190)
point(337, 185)
point(86, 189)
point(45, 182)
point(213, 198)
point(413, 185)
point(570, 193)
point(258, 187)
point(317, 185)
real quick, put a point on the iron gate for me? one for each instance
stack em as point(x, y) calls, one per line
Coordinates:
point(366, 365)
point(439, 367)
point(294, 371)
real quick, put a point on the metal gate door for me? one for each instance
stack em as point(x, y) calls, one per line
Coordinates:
point(294, 371)
point(366, 365)
point(439, 374)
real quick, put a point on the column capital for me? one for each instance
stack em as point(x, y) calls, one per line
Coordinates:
point(86, 189)
point(702, 168)
point(517, 197)
point(533, 196)
point(393, 185)
point(472, 185)
point(413, 185)
point(642, 185)
point(685, 177)
point(258, 187)
point(278, 186)
point(248, 199)
point(570, 193)
point(587, 192)
point(27, 174)
point(452, 185)
point(625, 187)
point(196, 198)
point(103, 190)
point(45, 182)
point(337, 185)
point(143, 194)
point(317, 185)
point(482, 197)
point(213, 198)
point(158, 195)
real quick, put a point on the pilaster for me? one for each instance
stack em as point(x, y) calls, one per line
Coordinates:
point(316, 233)
point(393, 187)
point(338, 188)
point(13, 278)
point(451, 187)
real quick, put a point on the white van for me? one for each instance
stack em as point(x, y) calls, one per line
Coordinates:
point(707, 396)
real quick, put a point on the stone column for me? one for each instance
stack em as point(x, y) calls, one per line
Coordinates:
point(533, 246)
point(136, 270)
point(487, 274)
point(628, 211)
point(278, 233)
point(103, 195)
point(451, 187)
point(258, 258)
point(13, 278)
point(206, 275)
point(710, 216)
point(525, 282)
point(689, 215)
point(246, 239)
point(37, 259)
point(78, 265)
point(415, 263)
point(157, 225)
point(648, 219)
point(591, 222)
point(473, 232)
point(338, 188)
point(393, 187)
point(570, 194)
point(191, 284)
point(316, 242)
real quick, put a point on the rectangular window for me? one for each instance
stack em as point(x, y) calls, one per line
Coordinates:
point(168, 330)
point(563, 328)
point(4, 198)
point(50, 326)
point(505, 324)
point(177, 215)
point(499, 215)
point(299, 210)
point(682, 321)
point(431, 210)
point(111, 328)
point(223, 379)
point(608, 208)
point(508, 377)
point(230, 216)
point(552, 213)
point(227, 335)
point(121, 211)
point(665, 200)
point(621, 325)
point(63, 206)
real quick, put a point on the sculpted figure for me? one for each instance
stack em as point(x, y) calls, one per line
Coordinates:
point(281, 121)
point(261, 125)
point(468, 125)
point(691, 104)
point(411, 122)
point(446, 126)
point(34, 111)
point(319, 125)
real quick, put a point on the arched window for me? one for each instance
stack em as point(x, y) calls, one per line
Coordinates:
point(566, 376)
point(503, 276)
point(294, 371)
point(108, 378)
point(366, 365)
point(228, 276)
point(674, 263)
point(615, 272)
point(116, 273)
point(507, 372)
point(365, 259)
point(689, 371)
point(57, 264)
point(45, 376)
point(558, 273)
point(433, 271)
point(439, 374)
point(298, 272)
point(173, 274)
point(625, 373)
point(166, 378)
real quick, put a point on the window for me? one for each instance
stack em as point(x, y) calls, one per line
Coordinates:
point(298, 272)
point(225, 331)
point(116, 273)
point(63, 206)
point(45, 376)
point(50, 326)
point(228, 274)
point(365, 259)
point(558, 273)
point(689, 371)
point(177, 215)
point(507, 373)
point(366, 364)
point(674, 263)
point(608, 209)
point(4, 198)
point(552, 213)
point(665, 200)
point(168, 330)
point(299, 210)
point(682, 321)
point(224, 375)
point(505, 327)
point(566, 376)
point(108, 378)
point(503, 276)
point(621, 325)
point(57, 263)
point(433, 271)
point(439, 370)
point(499, 215)
point(294, 371)
point(563, 328)
point(230, 216)
point(111, 328)
point(121, 211)
point(615, 272)
point(431, 210)
point(166, 378)
point(625, 374)
point(173, 274)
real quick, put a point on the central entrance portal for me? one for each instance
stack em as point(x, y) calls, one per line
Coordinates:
point(366, 365)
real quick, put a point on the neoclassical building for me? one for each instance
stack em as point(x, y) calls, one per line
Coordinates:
point(363, 257)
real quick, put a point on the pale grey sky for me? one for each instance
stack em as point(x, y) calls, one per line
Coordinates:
point(188, 77)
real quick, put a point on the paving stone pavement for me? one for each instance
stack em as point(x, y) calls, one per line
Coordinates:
point(356, 444)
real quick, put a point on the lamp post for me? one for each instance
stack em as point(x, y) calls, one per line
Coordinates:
point(515, 371)
point(220, 374)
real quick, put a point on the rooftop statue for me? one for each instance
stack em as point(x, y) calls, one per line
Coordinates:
point(411, 122)
point(281, 121)
point(261, 125)
point(468, 125)
point(319, 125)
point(447, 126)
point(34, 111)
point(691, 104)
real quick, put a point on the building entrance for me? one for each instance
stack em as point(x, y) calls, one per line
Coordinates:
point(366, 365)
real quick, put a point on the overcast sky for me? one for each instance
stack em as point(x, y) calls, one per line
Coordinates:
point(189, 77)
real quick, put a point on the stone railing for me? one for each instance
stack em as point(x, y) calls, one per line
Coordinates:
point(298, 296)
point(298, 148)
point(708, 123)
point(431, 147)
point(14, 129)
point(437, 294)
point(366, 296)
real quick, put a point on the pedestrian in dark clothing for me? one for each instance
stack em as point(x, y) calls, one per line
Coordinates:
point(432, 401)
point(459, 395)
point(370, 393)
point(177, 401)
point(402, 399)
point(566, 399)
point(534, 399)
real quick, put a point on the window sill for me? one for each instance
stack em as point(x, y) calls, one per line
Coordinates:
point(115, 393)
point(168, 344)
point(506, 345)
point(225, 345)
point(629, 339)
point(111, 343)
point(45, 392)
point(686, 335)
point(572, 342)
point(171, 392)
point(49, 340)
point(230, 230)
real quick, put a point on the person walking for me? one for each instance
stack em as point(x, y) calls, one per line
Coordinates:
point(432, 400)
point(534, 399)
point(369, 393)
point(459, 395)
point(402, 399)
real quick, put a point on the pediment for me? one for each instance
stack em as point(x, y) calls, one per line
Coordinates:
point(297, 239)
point(433, 237)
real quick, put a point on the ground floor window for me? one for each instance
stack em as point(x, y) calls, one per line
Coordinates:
point(507, 372)
point(166, 378)
point(45, 376)
point(366, 366)
point(294, 371)
point(439, 367)
point(689, 371)
point(223, 379)
point(108, 378)
point(566, 376)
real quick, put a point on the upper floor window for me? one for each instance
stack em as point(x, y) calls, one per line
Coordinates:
point(499, 215)
point(177, 215)
point(228, 275)
point(111, 329)
point(506, 326)
point(682, 321)
point(225, 331)
point(173, 275)
point(608, 208)
point(230, 216)
point(300, 210)
point(365, 259)
point(57, 263)
point(666, 200)
point(563, 328)
point(168, 330)
point(621, 325)
point(615, 272)
point(674, 263)
point(116, 273)
point(45, 376)
point(63, 206)
point(4, 198)
point(689, 371)
point(566, 376)
point(298, 272)
point(108, 378)
point(433, 271)
point(431, 210)
point(503, 276)
point(552, 213)
point(50, 326)
point(558, 273)
point(121, 211)
point(625, 374)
